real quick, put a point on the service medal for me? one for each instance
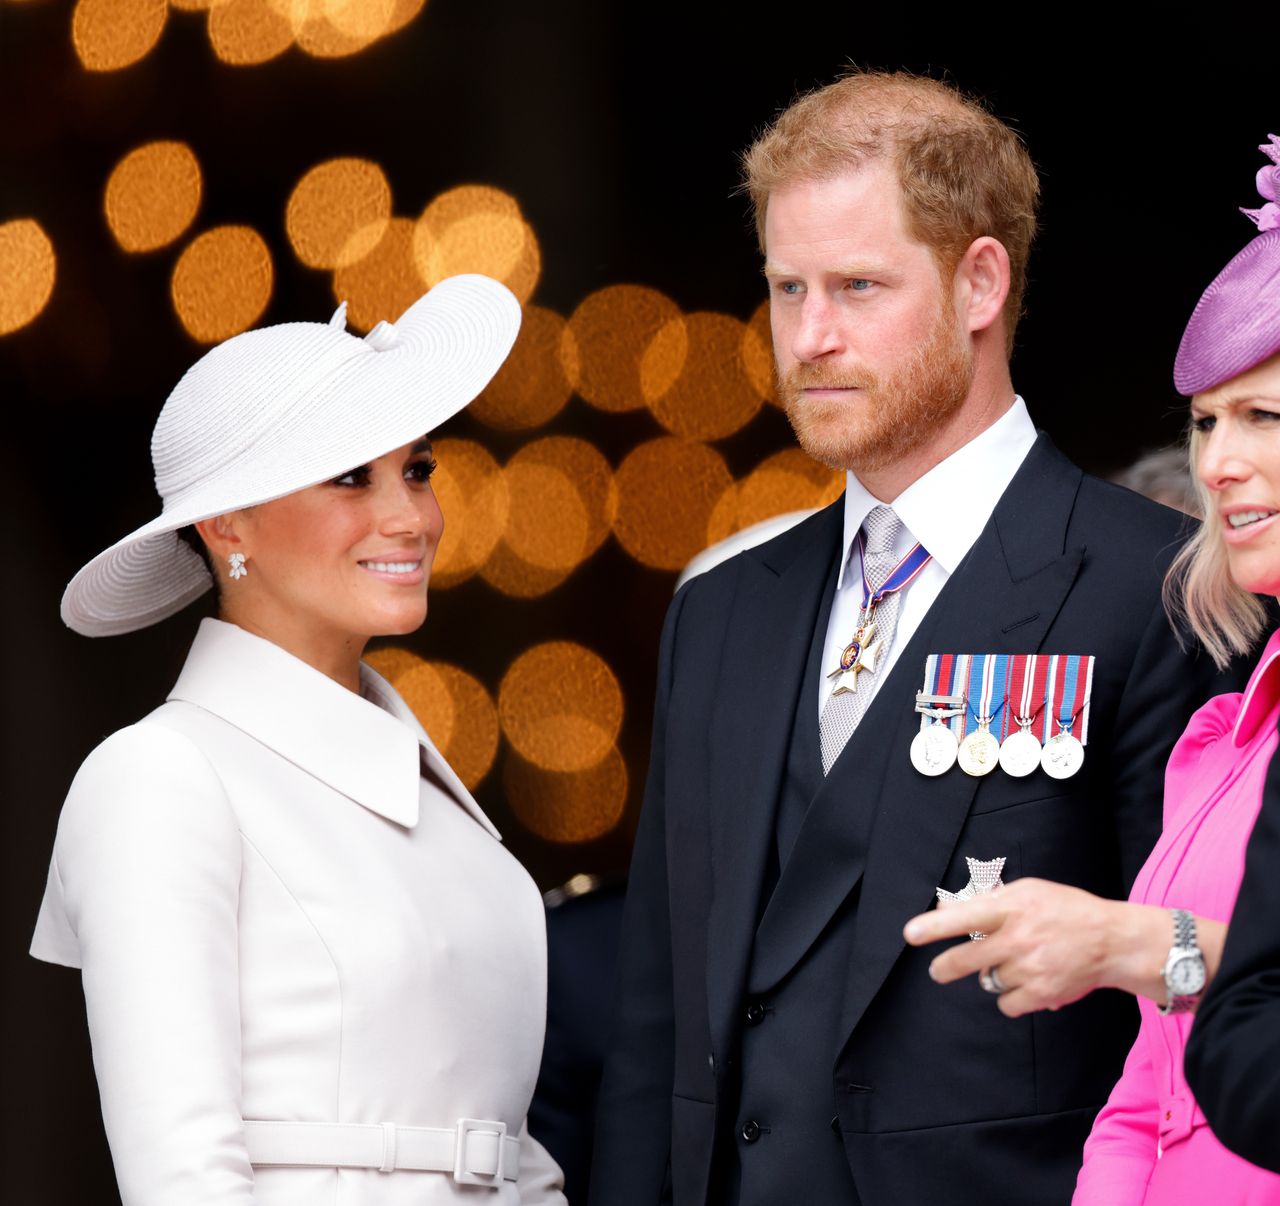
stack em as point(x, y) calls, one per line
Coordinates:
point(979, 752)
point(933, 750)
point(1063, 755)
point(1020, 753)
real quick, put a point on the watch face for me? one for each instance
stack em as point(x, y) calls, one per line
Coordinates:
point(1186, 976)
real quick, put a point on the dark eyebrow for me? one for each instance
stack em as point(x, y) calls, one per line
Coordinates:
point(423, 445)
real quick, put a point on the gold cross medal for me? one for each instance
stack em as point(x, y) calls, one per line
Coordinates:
point(858, 655)
point(984, 877)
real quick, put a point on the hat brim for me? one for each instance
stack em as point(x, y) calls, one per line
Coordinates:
point(447, 347)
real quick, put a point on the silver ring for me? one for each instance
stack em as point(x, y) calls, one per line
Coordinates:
point(991, 982)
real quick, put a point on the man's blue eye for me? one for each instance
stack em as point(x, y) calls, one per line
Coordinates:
point(860, 285)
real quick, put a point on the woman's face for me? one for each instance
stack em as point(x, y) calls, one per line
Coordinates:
point(1238, 461)
point(347, 559)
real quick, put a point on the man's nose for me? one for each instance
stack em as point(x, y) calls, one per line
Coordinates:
point(817, 333)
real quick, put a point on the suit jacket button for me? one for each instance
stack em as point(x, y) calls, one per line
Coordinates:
point(751, 1131)
point(755, 1013)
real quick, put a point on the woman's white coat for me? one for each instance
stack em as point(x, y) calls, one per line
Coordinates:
point(285, 905)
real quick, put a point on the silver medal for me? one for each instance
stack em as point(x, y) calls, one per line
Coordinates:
point(933, 750)
point(1020, 753)
point(979, 753)
point(1063, 755)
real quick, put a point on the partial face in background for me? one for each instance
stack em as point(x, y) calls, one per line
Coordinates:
point(349, 558)
point(1237, 459)
point(872, 359)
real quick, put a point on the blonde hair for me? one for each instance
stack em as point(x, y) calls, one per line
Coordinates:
point(1199, 591)
point(963, 173)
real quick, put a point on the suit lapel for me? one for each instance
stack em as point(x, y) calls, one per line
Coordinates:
point(876, 823)
point(761, 675)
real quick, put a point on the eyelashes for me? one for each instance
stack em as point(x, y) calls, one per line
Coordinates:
point(419, 471)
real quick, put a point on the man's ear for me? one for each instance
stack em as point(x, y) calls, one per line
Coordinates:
point(982, 283)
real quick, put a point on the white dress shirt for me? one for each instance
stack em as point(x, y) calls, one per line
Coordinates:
point(945, 510)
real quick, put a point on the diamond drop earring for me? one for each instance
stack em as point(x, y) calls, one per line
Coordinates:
point(238, 569)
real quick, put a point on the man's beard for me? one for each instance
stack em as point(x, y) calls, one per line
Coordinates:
point(891, 416)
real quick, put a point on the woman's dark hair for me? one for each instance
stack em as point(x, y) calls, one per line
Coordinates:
point(191, 538)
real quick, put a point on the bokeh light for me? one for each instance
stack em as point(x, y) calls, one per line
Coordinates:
point(152, 195)
point(790, 480)
point(612, 328)
point(476, 228)
point(244, 33)
point(757, 354)
point(110, 34)
point(337, 28)
point(694, 378)
point(338, 212)
point(453, 706)
point(222, 282)
point(567, 807)
point(382, 284)
point(667, 491)
point(536, 380)
point(472, 491)
point(560, 706)
point(194, 6)
point(28, 267)
point(563, 501)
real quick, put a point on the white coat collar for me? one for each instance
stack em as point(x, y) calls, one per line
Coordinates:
point(370, 747)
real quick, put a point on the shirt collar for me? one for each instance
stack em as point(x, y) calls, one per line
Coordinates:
point(1261, 696)
point(370, 747)
point(947, 508)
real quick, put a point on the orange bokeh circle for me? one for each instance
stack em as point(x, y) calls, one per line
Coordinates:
point(222, 282)
point(477, 228)
point(152, 195)
point(757, 354)
point(570, 807)
point(560, 706)
point(612, 328)
point(338, 212)
point(28, 267)
point(536, 380)
point(474, 498)
point(695, 380)
point(383, 283)
point(110, 34)
point(244, 33)
point(667, 491)
point(790, 480)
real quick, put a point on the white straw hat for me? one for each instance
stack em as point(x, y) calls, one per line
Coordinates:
point(281, 408)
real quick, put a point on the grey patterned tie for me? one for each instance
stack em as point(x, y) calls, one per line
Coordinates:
point(841, 713)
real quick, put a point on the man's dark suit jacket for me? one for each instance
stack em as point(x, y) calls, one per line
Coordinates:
point(1233, 1055)
point(935, 1095)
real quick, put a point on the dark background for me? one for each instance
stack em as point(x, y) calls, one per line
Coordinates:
point(618, 128)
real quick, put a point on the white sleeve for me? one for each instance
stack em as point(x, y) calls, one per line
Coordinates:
point(145, 884)
point(541, 1181)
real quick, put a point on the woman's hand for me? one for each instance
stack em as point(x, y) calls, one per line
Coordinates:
point(1050, 943)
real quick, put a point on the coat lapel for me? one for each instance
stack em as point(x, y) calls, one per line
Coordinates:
point(877, 824)
point(762, 671)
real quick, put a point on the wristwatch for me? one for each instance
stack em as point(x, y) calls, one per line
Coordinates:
point(1183, 972)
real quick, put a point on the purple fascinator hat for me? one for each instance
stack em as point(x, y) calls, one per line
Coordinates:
point(1236, 324)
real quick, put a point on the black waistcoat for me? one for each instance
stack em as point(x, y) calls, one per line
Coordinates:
point(784, 1147)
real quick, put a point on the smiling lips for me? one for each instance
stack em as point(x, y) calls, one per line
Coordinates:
point(1241, 518)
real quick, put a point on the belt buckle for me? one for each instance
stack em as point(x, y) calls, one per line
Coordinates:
point(470, 1126)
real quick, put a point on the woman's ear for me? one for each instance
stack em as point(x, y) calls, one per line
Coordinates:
point(221, 536)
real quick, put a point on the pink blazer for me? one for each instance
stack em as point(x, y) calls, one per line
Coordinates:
point(1150, 1145)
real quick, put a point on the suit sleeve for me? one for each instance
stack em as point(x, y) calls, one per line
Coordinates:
point(1164, 686)
point(1233, 1055)
point(632, 1152)
point(143, 898)
point(1120, 1153)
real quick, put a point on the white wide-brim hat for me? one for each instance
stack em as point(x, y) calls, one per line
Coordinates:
point(282, 408)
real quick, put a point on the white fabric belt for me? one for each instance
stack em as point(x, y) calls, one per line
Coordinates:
point(476, 1151)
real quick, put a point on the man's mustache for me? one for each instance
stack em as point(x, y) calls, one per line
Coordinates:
point(816, 376)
